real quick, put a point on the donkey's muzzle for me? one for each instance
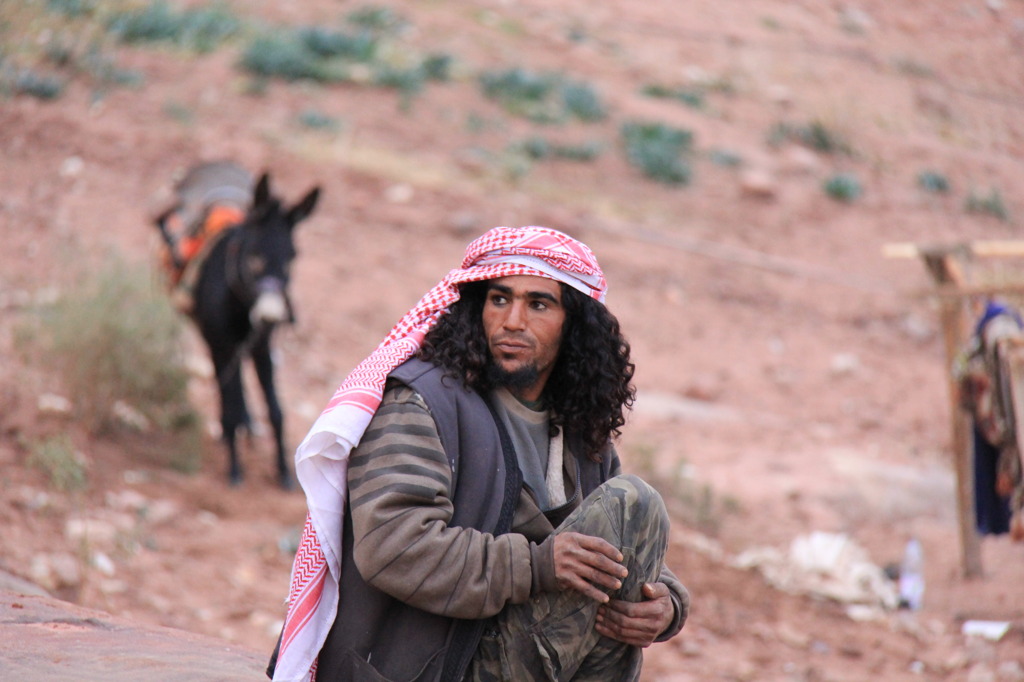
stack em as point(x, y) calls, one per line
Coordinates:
point(271, 306)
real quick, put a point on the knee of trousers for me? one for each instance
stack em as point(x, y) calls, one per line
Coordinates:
point(636, 504)
point(637, 495)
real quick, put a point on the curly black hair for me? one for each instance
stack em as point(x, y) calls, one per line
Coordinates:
point(590, 386)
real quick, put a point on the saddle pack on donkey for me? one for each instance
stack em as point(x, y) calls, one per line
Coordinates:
point(210, 198)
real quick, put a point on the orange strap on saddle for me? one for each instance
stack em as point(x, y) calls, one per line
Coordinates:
point(192, 246)
point(217, 219)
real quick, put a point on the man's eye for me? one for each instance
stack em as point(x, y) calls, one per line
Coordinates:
point(257, 264)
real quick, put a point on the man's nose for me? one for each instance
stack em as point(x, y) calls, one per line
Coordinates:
point(516, 317)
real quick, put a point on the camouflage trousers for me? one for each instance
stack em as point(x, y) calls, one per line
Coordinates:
point(552, 636)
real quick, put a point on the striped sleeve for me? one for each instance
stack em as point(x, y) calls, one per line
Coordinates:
point(400, 494)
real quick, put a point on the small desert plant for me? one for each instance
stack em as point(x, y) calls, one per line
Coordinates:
point(407, 80)
point(179, 112)
point(725, 157)
point(843, 187)
point(316, 120)
point(691, 97)
point(659, 151)
point(522, 93)
point(376, 18)
point(437, 66)
point(73, 9)
point(114, 338)
point(57, 458)
point(933, 182)
point(912, 67)
point(990, 204)
point(816, 135)
point(30, 82)
point(288, 57)
point(327, 43)
point(538, 148)
point(542, 97)
point(582, 101)
point(199, 28)
point(105, 71)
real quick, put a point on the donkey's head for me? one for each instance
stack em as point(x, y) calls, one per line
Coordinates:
point(266, 252)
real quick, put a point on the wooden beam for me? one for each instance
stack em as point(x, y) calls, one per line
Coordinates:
point(973, 290)
point(1005, 248)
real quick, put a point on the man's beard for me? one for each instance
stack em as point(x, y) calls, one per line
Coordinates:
point(521, 377)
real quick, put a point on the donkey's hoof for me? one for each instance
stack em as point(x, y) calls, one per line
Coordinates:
point(235, 478)
point(286, 481)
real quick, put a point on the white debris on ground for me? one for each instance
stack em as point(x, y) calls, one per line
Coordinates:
point(829, 565)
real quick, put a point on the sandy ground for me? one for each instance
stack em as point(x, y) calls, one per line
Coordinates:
point(791, 379)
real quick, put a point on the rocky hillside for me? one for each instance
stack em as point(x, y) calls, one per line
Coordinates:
point(737, 166)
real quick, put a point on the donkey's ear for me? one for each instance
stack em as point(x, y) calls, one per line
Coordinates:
point(261, 195)
point(302, 209)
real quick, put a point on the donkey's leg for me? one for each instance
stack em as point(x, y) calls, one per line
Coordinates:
point(233, 412)
point(264, 363)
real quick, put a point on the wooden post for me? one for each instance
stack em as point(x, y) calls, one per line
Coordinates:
point(946, 271)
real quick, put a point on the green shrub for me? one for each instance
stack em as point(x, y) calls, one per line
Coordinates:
point(542, 97)
point(376, 18)
point(935, 183)
point(59, 51)
point(586, 151)
point(199, 28)
point(73, 9)
point(521, 92)
point(40, 86)
point(692, 97)
point(990, 204)
point(322, 42)
point(725, 157)
point(815, 135)
point(582, 101)
point(843, 187)
point(659, 150)
point(287, 57)
point(912, 67)
point(114, 338)
point(317, 121)
point(539, 148)
point(437, 66)
point(56, 457)
point(409, 80)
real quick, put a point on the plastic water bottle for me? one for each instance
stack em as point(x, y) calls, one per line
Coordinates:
point(912, 576)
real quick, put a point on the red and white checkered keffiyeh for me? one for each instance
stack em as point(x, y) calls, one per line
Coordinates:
point(321, 460)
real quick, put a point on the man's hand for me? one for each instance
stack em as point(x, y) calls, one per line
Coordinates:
point(585, 563)
point(637, 623)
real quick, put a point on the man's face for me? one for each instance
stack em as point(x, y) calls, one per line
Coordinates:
point(523, 318)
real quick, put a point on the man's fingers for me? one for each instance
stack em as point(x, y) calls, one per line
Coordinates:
point(655, 590)
point(588, 590)
point(586, 564)
point(637, 623)
point(624, 633)
point(602, 556)
point(596, 544)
